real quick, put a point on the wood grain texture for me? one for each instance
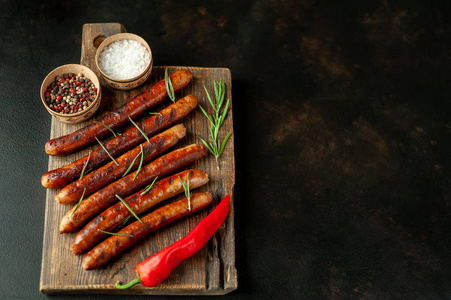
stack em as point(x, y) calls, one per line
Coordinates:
point(212, 270)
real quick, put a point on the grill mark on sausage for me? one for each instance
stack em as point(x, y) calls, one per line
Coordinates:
point(158, 120)
point(172, 115)
point(99, 219)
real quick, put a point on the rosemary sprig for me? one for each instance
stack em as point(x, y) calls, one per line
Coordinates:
point(113, 233)
point(156, 113)
point(84, 166)
point(79, 202)
point(107, 127)
point(104, 149)
point(139, 128)
point(129, 208)
point(216, 146)
point(140, 163)
point(149, 187)
point(187, 191)
point(133, 162)
point(169, 87)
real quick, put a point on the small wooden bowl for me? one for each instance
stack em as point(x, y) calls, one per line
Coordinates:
point(79, 116)
point(124, 84)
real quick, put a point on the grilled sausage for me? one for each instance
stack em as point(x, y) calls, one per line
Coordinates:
point(118, 213)
point(115, 169)
point(61, 177)
point(135, 107)
point(123, 187)
point(114, 245)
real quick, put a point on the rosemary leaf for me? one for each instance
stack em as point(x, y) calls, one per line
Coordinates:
point(149, 187)
point(107, 127)
point(131, 165)
point(187, 192)
point(84, 166)
point(209, 98)
point(79, 202)
point(216, 94)
point(125, 222)
point(221, 96)
point(139, 128)
point(113, 233)
point(206, 145)
point(224, 113)
point(224, 142)
point(155, 113)
point(128, 207)
point(205, 113)
point(104, 149)
point(169, 87)
point(140, 163)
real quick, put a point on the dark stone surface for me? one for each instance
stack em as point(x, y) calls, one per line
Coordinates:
point(342, 128)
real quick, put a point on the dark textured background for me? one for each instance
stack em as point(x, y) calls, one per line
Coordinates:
point(342, 131)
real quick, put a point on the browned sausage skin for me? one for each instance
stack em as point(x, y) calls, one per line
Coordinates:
point(61, 177)
point(135, 107)
point(110, 172)
point(123, 187)
point(114, 245)
point(118, 213)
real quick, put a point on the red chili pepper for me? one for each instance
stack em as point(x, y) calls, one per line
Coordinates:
point(157, 267)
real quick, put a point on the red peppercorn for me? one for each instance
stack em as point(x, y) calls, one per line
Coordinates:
point(47, 94)
point(76, 107)
point(72, 90)
point(78, 83)
point(85, 90)
point(67, 79)
point(63, 104)
point(59, 97)
point(95, 89)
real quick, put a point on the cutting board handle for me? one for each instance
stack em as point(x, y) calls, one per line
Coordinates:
point(92, 37)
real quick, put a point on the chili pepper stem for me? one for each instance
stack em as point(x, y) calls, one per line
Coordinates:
point(128, 285)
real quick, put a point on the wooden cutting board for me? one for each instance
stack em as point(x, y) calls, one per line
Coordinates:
point(211, 271)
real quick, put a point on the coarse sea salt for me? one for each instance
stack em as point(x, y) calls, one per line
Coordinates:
point(124, 59)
